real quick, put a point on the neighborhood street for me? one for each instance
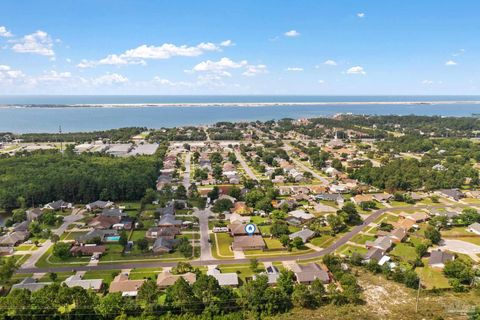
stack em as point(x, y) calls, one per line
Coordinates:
point(245, 166)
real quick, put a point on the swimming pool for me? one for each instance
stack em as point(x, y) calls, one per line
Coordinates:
point(112, 238)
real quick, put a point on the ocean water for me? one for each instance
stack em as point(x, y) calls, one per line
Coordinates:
point(15, 117)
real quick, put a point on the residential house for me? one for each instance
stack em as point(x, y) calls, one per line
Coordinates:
point(382, 197)
point(360, 198)
point(101, 235)
point(308, 273)
point(58, 205)
point(242, 243)
point(87, 284)
point(163, 245)
point(14, 238)
point(305, 235)
point(335, 197)
point(88, 250)
point(301, 215)
point(30, 284)
point(452, 194)
point(238, 229)
point(103, 222)
point(165, 279)
point(99, 205)
point(224, 279)
point(397, 235)
point(474, 228)
point(373, 254)
point(241, 208)
point(128, 288)
point(113, 212)
point(34, 214)
point(416, 217)
point(169, 221)
point(382, 243)
point(162, 232)
point(439, 258)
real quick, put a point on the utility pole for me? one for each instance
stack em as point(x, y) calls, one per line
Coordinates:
point(418, 295)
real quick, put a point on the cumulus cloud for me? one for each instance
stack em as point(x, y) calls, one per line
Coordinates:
point(330, 62)
point(144, 52)
point(109, 79)
point(54, 76)
point(292, 33)
point(227, 43)
point(321, 81)
point(361, 15)
point(253, 70)
point(219, 67)
point(5, 33)
point(38, 42)
point(356, 70)
point(8, 74)
point(450, 63)
point(294, 69)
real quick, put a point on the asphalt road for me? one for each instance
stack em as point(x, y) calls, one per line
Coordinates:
point(344, 239)
point(245, 166)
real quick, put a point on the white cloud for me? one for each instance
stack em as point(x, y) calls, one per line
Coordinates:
point(219, 67)
point(330, 62)
point(459, 53)
point(253, 70)
point(144, 52)
point(54, 76)
point(109, 79)
point(450, 63)
point(5, 33)
point(356, 70)
point(361, 15)
point(8, 74)
point(227, 43)
point(428, 82)
point(38, 42)
point(294, 69)
point(292, 33)
point(321, 81)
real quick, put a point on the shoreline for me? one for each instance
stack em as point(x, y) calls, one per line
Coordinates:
point(235, 104)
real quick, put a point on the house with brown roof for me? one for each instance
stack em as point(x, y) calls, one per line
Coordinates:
point(360, 198)
point(397, 235)
point(242, 243)
point(103, 222)
point(87, 250)
point(128, 288)
point(165, 279)
point(416, 217)
point(238, 229)
point(163, 232)
point(241, 208)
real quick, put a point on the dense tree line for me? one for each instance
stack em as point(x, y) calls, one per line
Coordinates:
point(122, 134)
point(411, 174)
point(41, 177)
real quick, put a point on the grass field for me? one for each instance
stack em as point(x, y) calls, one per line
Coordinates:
point(273, 243)
point(106, 275)
point(362, 238)
point(432, 278)
point(457, 231)
point(349, 250)
point(224, 242)
point(404, 252)
point(144, 273)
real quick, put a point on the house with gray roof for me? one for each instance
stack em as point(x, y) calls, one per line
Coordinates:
point(113, 212)
point(305, 235)
point(474, 228)
point(99, 204)
point(30, 284)
point(164, 245)
point(169, 221)
point(58, 205)
point(439, 258)
point(103, 235)
point(308, 273)
point(224, 279)
point(383, 243)
point(14, 238)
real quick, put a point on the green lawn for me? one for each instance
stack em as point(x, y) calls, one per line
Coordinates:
point(457, 231)
point(243, 271)
point(349, 250)
point(71, 235)
point(49, 260)
point(137, 235)
point(61, 276)
point(404, 252)
point(273, 243)
point(144, 273)
point(224, 242)
point(432, 278)
point(26, 247)
point(362, 238)
point(106, 275)
point(323, 241)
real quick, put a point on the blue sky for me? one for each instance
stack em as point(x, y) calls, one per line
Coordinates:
point(239, 47)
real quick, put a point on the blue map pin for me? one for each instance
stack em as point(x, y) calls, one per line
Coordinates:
point(250, 229)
